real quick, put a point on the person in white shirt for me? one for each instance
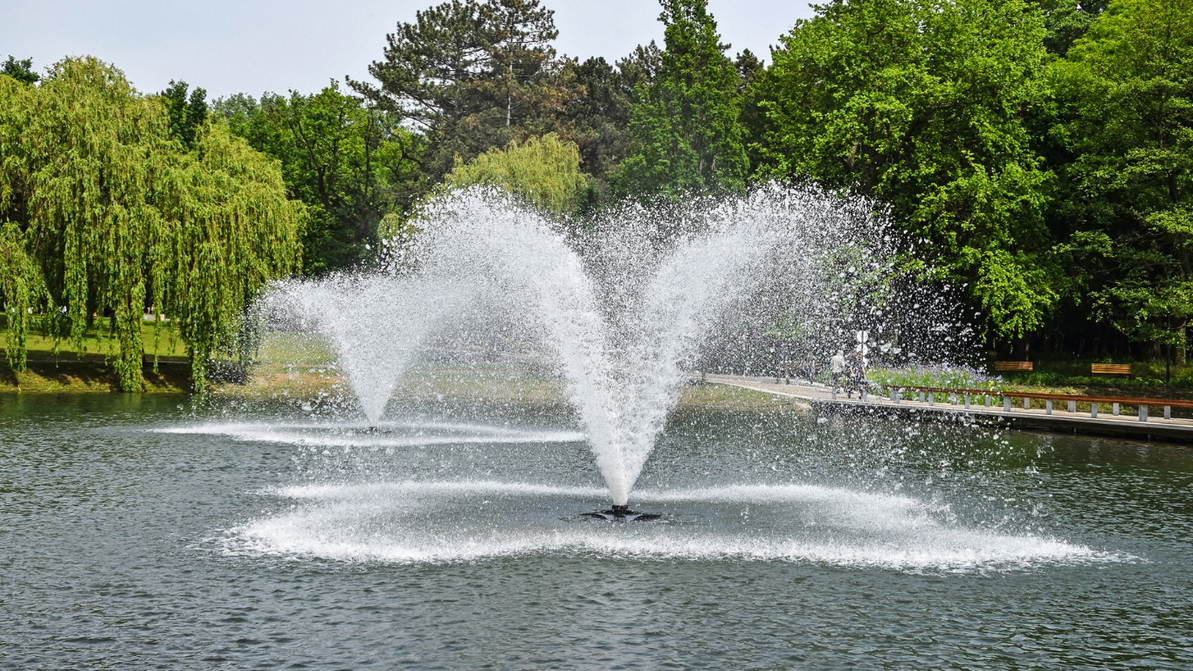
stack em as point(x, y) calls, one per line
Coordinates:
point(837, 367)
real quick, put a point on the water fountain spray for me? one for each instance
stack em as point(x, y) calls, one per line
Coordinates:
point(626, 309)
point(375, 324)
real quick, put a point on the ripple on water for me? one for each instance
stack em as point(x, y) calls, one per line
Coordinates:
point(387, 434)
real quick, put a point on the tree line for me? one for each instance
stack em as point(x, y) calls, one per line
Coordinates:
point(1037, 153)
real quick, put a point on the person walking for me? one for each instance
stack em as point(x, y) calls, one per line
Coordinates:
point(837, 368)
point(857, 374)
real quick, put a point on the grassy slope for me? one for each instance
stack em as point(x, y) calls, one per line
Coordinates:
point(85, 369)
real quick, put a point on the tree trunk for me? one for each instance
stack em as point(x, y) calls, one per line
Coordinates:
point(1023, 349)
point(1178, 353)
point(1152, 351)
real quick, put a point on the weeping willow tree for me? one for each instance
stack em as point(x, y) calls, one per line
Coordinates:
point(544, 171)
point(104, 213)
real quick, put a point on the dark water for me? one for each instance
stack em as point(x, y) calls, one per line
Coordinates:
point(136, 533)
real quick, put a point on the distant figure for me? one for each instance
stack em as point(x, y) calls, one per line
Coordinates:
point(837, 367)
point(857, 374)
point(810, 367)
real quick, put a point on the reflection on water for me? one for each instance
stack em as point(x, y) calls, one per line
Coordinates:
point(134, 532)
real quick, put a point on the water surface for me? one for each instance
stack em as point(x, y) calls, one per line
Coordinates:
point(143, 532)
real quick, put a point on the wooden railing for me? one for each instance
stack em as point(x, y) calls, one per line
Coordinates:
point(969, 395)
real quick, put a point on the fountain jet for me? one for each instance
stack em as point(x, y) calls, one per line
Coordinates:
point(625, 311)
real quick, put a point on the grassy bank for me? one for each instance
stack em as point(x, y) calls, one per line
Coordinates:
point(85, 369)
point(86, 376)
point(1146, 380)
point(457, 387)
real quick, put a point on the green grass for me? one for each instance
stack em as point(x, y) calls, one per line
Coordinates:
point(97, 344)
point(85, 369)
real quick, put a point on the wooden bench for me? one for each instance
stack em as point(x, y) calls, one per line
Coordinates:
point(1110, 369)
point(1012, 365)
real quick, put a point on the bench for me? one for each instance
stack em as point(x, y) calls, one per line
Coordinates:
point(1012, 365)
point(1110, 369)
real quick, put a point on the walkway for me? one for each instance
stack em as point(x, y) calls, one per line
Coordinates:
point(1134, 425)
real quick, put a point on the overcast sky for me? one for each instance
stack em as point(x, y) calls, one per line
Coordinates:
point(229, 46)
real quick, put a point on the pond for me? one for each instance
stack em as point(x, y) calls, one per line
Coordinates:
point(154, 532)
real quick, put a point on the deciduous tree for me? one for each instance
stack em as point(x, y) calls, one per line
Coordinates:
point(921, 105)
point(101, 211)
point(1128, 120)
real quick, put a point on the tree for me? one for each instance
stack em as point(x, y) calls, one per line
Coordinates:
point(1128, 120)
point(922, 105)
point(686, 137)
point(600, 115)
point(22, 70)
point(543, 171)
point(1067, 20)
point(472, 75)
point(101, 211)
point(187, 114)
point(351, 164)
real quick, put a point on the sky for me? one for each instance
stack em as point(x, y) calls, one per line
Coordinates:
point(229, 46)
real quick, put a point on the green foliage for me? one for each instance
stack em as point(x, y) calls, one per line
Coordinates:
point(601, 113)
point(686, 137)
point(105, 211)
point(22, 70)
point(544, 171)
point(22, 289)
point(1128, 122)
point(939, 376)
point(187, 114)
point(1067, 21)
point(351, 165)
point(473, 75)
point(922, 105)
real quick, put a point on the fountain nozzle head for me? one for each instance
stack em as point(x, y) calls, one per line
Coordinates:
point(622, 514)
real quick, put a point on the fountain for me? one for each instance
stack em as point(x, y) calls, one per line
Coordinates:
point(623, 308)
point(374, 322)
point(627, 306)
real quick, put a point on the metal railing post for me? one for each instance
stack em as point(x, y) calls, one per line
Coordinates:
point(1072, 406)
point(1143, 413)
point(1048, 406)
point(1093, 410)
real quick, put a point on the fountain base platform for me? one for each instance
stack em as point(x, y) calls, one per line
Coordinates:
point(622, 514)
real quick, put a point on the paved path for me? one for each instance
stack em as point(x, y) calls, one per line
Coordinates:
point(821, 399)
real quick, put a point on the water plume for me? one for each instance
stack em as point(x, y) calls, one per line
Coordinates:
point(626, 307)
point(375, 323)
